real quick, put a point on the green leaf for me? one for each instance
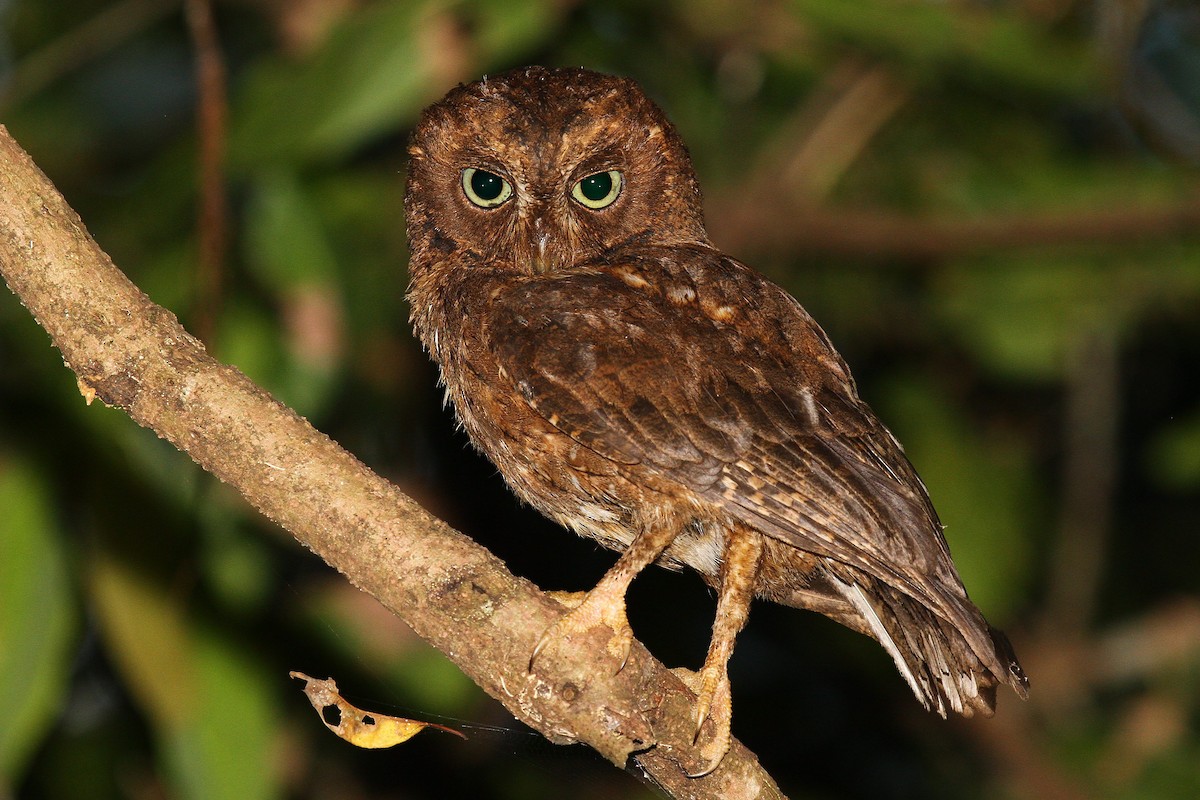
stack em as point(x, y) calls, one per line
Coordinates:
point(376, 71)
point(288, 248)
point(364, 79)
point(37, 616)
point(996, 45)
point(147, 638)
point(208, 703)
point(1019, 314)
point(249, 337)
point(225, 749)
point(286, 244)
point(236, 562)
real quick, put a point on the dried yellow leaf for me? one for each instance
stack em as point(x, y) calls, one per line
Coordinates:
point(360, 728)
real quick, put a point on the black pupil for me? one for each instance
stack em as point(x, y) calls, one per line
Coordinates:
point(596, 187)
point(486, 185)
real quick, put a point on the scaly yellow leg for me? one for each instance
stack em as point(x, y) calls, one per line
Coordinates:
point(739, 575)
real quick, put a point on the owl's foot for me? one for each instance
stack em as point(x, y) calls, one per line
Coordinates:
point(604, 606)
point(714, 703)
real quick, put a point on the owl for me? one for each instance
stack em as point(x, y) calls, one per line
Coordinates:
point(640, 387)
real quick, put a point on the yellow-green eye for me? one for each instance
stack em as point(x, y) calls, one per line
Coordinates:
point(485, 189)
point(599, 190)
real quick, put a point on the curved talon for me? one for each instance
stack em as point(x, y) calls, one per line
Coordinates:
point(714, 749)
point(713, 701)
point(621, 644)
point(541, 645)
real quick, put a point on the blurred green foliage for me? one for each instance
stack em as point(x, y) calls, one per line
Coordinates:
point(37, 615)
point(1037, 161)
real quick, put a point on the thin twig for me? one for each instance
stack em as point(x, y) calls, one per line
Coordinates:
point(212, 112)
point(833, 129)
point(742, 223)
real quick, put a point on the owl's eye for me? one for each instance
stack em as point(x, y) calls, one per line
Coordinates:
point(485, 189)
point(599, 190)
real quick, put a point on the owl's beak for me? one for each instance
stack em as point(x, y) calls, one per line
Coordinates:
point(547, 246)
point(542, 261)
point(541, 266)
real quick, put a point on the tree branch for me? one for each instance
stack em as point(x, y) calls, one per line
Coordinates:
point(136, 356)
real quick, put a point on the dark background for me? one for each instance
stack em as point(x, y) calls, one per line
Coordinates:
point(991, 207)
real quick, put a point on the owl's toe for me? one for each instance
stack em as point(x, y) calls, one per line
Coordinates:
point(713, 704)
point(596, 609)
point(567, 599)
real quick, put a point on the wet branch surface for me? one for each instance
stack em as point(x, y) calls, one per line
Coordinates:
point(134, 355)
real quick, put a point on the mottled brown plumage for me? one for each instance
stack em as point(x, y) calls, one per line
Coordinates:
point(642, 388)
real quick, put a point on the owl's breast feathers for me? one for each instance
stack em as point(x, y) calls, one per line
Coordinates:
point(681, 363)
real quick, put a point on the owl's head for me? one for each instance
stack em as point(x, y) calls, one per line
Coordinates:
point(538, 169)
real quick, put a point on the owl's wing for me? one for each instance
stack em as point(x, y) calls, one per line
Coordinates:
point(683, 365)
point(686, 369)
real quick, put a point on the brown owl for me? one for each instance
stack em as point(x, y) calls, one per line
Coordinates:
point(640, 387)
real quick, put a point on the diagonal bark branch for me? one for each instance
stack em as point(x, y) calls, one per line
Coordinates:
point(136, 356)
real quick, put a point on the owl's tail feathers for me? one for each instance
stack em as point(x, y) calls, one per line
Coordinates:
point(940, 661)
point(1015, 676)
